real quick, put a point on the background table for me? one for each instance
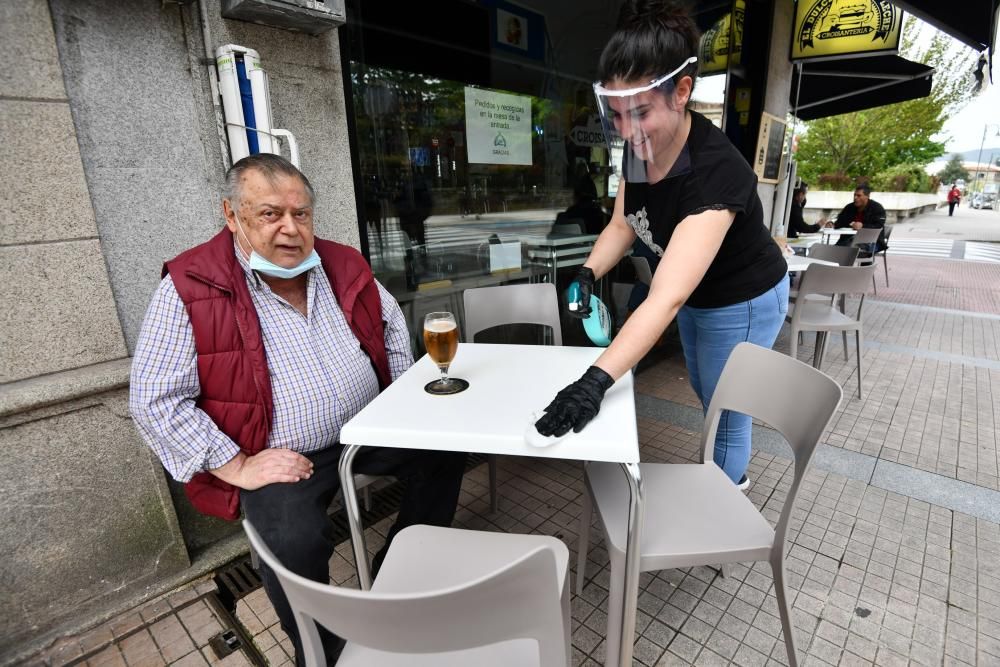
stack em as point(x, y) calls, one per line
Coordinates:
point(800, 263)
point(830, 232)
point(507, 384)
point(559, 249)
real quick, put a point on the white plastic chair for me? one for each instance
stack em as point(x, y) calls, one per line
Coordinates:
point(444, 597)
point(821, 315)
point(643, 272)
point(488, 307)
point(695, 515)
point(867, 237)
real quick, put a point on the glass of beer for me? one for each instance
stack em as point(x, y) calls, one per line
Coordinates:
point(441, 342)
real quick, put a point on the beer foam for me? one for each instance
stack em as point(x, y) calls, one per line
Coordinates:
point(440, 326)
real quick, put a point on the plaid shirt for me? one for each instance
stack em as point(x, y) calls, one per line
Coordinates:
point(320, 376)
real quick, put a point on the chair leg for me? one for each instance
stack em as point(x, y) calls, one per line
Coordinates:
point(366, 494)
point(794, 342)
point(874, 286)
point(567, 620)
point(820, 348)
point(857, 338)
point(885, 265)
point(494, 499)
point(844, 336)
point(583, 541)
point(616, 600)
point(784, 610)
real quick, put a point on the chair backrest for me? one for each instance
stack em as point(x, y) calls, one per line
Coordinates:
point(534, 303)
point(842, 255)
point(642, 269)
point(830, 280)
point(792, 397)
point(568, 227)
point(520, 600)
point(866, 236)
point(833, 281)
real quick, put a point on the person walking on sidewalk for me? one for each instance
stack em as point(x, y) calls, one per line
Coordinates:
point(258, 346)
point(954, 197)
point(689, 195)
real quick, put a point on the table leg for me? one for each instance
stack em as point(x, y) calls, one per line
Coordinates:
point(354, 515)
point(633, 547)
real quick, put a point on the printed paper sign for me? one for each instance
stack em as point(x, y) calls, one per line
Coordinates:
point(498, 127)
point(505, 256)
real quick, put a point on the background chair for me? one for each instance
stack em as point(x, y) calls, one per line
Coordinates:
point(842, 255)
point(866, 237)
point(695, 514)
point(443, 597)
point(820, 315)
point(643, 272)
point(488, 307)
point(568, 228)
point(884, 253)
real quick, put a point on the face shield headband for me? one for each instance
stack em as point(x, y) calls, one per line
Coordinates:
point(637, 127)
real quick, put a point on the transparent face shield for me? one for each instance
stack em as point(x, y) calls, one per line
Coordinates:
point(641, 124)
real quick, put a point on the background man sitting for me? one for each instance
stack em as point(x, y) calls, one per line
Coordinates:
point(863, 213)
point(256, 349)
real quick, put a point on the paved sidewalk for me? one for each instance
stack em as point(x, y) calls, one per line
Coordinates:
point(893, 545)
point(966, 225)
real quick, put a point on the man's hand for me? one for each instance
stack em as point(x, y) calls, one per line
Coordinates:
point(267, 466)
point(585, 278)
point(856, 225)
point(576, 405)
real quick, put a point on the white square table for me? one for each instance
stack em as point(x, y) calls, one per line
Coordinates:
point(507, 385)
point(843, 231)
point(801, 263)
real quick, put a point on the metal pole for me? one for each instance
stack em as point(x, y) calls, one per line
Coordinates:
point(633, 556)
point(980, 155)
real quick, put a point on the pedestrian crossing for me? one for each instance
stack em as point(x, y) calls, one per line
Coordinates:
point(945, 248)
point(982, 252)
point(921, 247)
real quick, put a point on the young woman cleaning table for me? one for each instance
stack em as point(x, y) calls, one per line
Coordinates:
point(691, 197)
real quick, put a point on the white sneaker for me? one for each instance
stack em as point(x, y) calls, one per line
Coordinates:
point(743, 484)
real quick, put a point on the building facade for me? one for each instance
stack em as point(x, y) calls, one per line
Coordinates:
point(117, 162)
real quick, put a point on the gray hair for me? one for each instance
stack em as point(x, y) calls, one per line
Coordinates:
point(269, 165)
point(864, 187)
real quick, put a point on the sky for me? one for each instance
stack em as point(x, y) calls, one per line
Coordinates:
point(964, 130)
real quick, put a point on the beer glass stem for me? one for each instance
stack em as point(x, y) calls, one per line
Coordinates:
point(444, 374)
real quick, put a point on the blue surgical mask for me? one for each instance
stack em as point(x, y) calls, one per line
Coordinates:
point(269, 268)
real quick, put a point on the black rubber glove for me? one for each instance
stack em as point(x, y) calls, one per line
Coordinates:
point(585, 278)
point(576, 405)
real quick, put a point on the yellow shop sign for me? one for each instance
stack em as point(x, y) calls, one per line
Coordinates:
point(714, 46)
point(835, 28)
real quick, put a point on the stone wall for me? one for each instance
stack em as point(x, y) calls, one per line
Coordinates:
point(115, 164)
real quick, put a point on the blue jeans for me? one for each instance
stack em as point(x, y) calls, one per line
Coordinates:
point(709, 336)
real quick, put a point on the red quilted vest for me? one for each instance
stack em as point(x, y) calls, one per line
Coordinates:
point(232, 361)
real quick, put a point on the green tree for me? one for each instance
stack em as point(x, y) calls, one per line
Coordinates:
point(954, 170)
point(865, 144)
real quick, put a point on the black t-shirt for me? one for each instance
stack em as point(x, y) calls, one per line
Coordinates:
point(710, 174)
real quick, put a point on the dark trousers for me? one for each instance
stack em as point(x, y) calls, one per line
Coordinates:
point(293, 519)
point(951, 207)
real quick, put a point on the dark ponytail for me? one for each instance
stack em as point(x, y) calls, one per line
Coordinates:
point(652, 37)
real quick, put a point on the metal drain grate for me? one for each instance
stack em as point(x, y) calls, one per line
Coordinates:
point(235, 581)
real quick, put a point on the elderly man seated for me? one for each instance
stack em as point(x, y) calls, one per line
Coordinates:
point(257, 347)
